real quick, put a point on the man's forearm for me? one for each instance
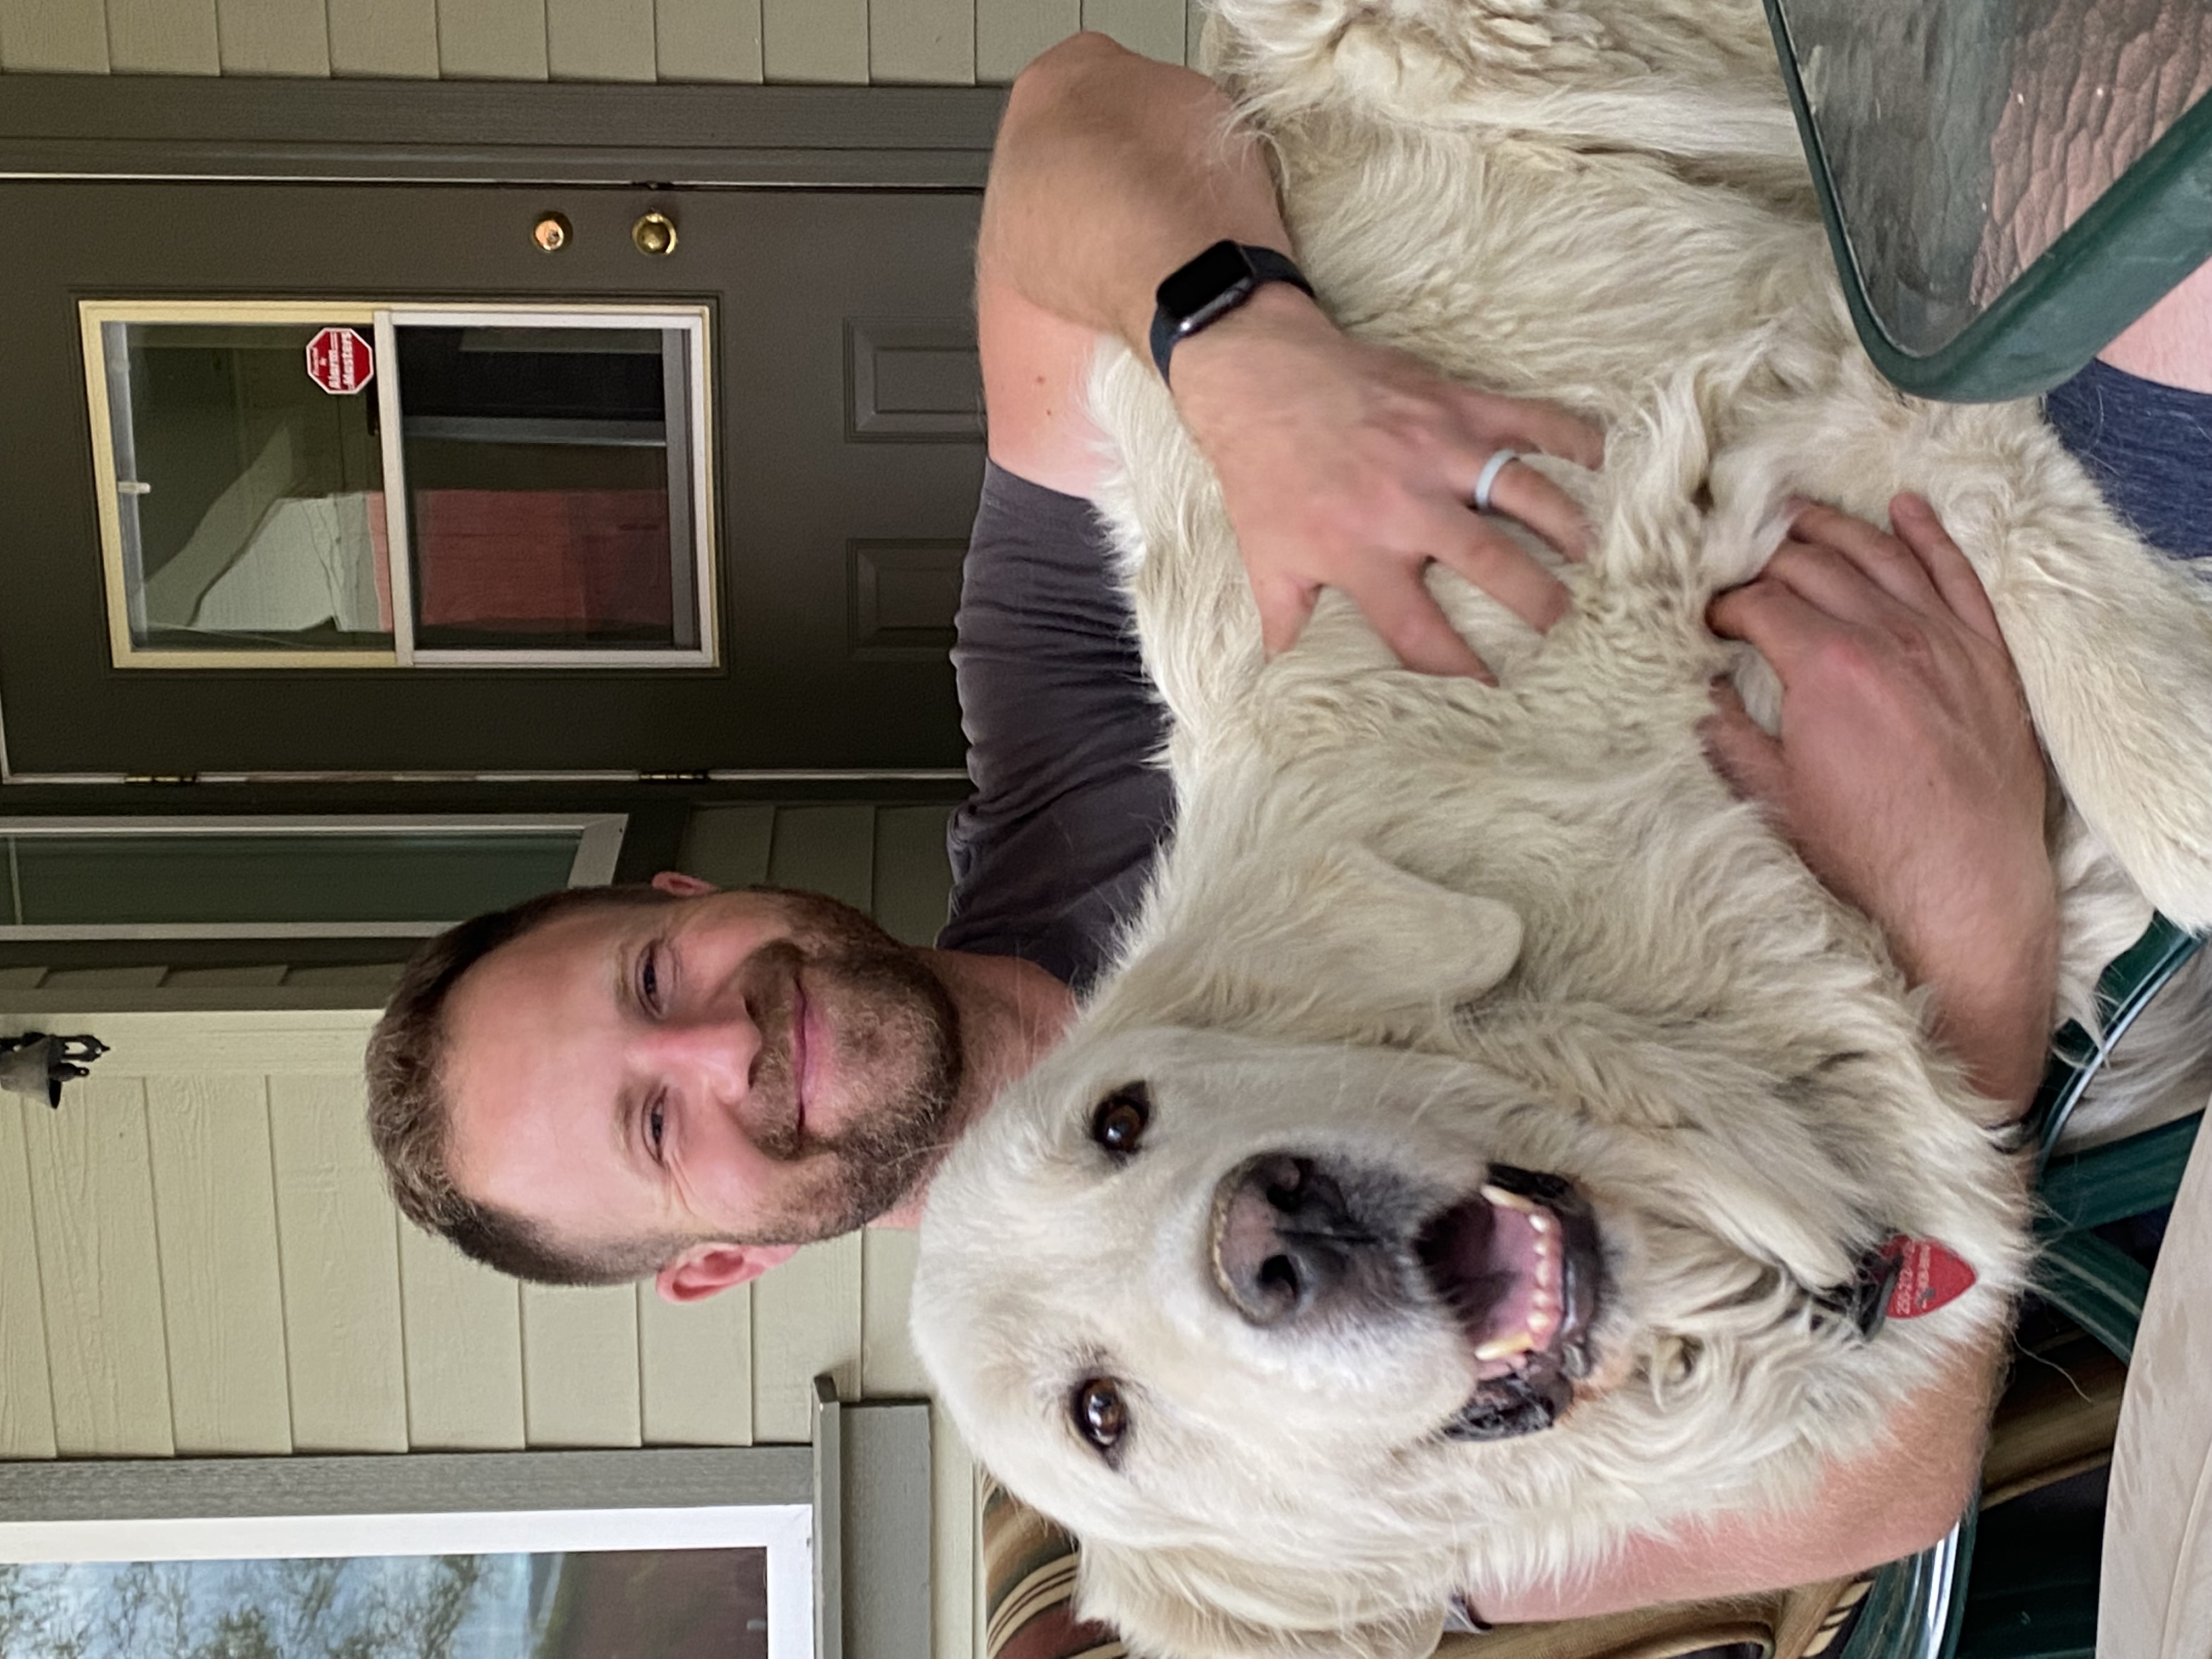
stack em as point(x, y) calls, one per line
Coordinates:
point(1897, 1499)
point(1111, 170)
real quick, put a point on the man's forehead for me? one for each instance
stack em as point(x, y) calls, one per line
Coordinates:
point(548, 970)
point(583, 934)
point(525, 1024)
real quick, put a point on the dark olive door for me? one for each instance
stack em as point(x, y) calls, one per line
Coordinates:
point(842, 455)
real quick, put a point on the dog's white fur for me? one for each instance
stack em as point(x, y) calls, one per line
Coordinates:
point(1439, 924)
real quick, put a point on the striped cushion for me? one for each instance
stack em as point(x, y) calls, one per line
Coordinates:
point(1029, 1588)
point(1029, 1609)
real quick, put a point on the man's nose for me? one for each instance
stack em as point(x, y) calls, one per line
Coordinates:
point(716, 1052)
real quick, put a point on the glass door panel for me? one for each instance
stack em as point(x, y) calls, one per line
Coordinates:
point(554, 476)
point(246, 502)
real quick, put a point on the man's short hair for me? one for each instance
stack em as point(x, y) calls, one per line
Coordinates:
point(410, 1114)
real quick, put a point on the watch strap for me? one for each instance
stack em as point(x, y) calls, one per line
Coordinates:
point(1262, 265)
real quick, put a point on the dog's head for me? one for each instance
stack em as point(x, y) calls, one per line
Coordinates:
point(1223, 1304)
point(1301, 1335)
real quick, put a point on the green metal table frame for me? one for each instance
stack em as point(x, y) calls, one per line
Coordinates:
point(2148, 231)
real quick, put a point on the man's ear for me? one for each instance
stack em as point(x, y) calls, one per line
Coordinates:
point(682, 886)
point(703, 1269)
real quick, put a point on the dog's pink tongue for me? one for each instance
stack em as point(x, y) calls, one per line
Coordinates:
point(1486, 1255)
point(1512, 1265)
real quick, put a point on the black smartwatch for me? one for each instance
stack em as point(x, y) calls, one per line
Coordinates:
point(1210, 287)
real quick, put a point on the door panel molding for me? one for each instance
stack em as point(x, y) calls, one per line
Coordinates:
point(938, 400)
point(480, 132)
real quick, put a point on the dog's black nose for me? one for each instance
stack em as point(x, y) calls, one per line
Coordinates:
point(1283, 1239)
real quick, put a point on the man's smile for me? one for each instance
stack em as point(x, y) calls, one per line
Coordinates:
point(804, 1049)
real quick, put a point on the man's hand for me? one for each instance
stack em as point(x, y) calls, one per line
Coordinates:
point(1342, 464)
point(1348, 466)
point(1906, 773)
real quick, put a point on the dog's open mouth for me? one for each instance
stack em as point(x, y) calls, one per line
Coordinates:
point(1518, 1264)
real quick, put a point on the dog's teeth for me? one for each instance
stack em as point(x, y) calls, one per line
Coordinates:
point(1542, 1321)
point(1498, 1198)
point(1543, 1223)
point(1505, 1347)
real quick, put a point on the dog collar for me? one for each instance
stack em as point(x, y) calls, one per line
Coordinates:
point(1900, 1278)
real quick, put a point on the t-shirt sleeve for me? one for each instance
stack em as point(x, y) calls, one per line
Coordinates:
point(1050, 852)
point(2148, 446)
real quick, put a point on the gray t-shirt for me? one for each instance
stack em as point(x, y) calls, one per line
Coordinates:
point(1050, 852)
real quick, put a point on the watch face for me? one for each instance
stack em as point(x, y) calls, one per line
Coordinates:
point(1197, 292)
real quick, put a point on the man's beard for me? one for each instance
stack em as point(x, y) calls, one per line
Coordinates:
point(895, 1035)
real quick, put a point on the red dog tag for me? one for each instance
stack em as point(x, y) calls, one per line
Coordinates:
point(1928, 1276)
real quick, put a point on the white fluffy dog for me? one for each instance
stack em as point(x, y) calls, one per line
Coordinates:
point(1478, 1154)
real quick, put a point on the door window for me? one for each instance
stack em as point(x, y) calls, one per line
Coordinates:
point(289, 485)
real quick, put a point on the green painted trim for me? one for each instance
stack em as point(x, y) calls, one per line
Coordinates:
point(496, 132)
point(2078, 296)
point(2126, 1177)
point(2135, 976)
point(2097, 1286)
point(1917, 1607)
point(653, 841)
point(885, 1514)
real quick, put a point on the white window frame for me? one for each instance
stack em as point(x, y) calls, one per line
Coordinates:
point(261, 1509)
point(598, 846)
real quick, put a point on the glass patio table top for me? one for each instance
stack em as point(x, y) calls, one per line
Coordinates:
point(2007, 183)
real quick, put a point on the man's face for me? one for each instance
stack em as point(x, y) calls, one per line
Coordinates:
point(763, 1066)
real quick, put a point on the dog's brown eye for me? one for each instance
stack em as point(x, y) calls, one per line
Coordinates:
point(1100, 1413)
point(1119, 1123)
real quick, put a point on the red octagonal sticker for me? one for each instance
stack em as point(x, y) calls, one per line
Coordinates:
point(340, 361)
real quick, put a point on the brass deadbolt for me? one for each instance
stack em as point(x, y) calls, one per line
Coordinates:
point(654, 234)
point(551, 233)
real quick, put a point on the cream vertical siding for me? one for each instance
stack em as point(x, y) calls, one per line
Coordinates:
point(197, 1256)
point(853, 42)
point(204, 1262)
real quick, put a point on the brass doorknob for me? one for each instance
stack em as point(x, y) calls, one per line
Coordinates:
point(551, 232)
point(654, 234)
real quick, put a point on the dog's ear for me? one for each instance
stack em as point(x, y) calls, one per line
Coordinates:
point(1334, 946)
point(1410, 941)
point(1385, 943)
point(1182, 1603)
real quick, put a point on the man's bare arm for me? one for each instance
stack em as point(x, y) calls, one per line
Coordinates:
point(1342, 464)
point(1110, 170)
point(1907, 774)
point(1894, 1502)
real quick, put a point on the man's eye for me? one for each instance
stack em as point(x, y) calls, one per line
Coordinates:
point(656, 1125)
point(1119, 1123)
point(648, 980)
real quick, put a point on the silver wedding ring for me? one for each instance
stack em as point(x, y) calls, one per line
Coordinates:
point(1490, 469)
